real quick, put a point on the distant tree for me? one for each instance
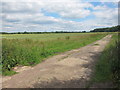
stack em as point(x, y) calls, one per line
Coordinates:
point(24, 32)
point(110, 29)
point(84, 31)
point(18, 33)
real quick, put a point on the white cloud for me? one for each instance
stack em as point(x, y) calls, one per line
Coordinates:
point(68, 8)
point(106, 14)
point(30, 16)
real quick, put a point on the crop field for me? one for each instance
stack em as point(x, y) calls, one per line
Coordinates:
point(31, 49)
point(43, 37)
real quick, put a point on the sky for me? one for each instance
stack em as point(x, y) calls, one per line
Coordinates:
point(57, 15)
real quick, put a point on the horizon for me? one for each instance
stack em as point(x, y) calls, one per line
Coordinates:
point(56, 31)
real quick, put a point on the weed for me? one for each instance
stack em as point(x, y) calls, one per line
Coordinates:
point(108, 68)
point(96, 44)
point(67, 37)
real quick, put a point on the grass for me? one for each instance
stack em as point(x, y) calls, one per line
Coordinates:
point(42, 37)
point(10, 73)
point(107, 68)
point(33, 49)
point(96, 44)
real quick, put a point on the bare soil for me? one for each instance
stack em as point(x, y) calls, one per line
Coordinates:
point(71, 69)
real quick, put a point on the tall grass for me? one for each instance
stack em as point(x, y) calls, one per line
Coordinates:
point(31, 52)
point(108, 67)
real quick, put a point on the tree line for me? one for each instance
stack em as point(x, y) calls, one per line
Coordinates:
point(109, 29)
point(42, 32)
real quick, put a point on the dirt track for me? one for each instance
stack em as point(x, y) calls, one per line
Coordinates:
point(69, 69)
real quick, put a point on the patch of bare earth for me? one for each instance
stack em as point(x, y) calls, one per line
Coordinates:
point(71, 69)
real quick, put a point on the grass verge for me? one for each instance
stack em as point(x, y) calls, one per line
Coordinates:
point(108, 67)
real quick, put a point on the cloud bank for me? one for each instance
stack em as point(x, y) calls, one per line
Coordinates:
point(57, 15)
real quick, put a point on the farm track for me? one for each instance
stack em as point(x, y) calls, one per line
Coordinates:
point(71, 69)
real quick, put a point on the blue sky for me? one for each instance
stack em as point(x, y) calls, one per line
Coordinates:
point(57, 15)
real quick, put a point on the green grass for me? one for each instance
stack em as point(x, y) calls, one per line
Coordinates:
point(33, 49)
point(10, 73)
point(107, 68)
